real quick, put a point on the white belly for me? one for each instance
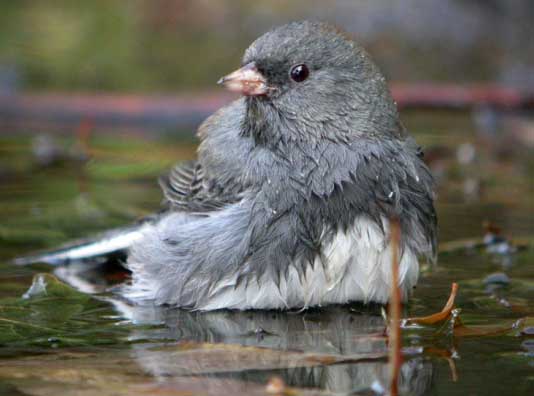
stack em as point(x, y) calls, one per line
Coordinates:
point(355, 266)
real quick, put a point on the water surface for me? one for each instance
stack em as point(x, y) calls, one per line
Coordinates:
point(82, 340)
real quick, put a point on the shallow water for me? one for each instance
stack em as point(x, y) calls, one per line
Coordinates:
point(84, 341)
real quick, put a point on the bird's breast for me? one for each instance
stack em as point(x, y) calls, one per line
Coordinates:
point(353, 266)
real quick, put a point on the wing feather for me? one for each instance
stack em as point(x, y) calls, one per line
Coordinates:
point(186, 188)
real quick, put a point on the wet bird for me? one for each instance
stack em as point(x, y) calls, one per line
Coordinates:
point(291, 199)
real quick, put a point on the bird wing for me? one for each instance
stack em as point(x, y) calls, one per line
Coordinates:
point(186, 188)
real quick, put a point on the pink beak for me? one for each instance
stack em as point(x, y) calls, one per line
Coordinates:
point(247, 81)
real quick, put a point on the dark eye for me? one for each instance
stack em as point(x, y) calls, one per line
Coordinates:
point(299, 73)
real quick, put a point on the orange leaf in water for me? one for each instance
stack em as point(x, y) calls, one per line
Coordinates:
point(438, 317)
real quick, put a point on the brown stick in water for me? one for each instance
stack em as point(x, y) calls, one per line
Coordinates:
point(395, 355)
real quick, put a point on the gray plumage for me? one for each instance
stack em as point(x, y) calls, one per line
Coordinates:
point(285, 181)
point(281, 174)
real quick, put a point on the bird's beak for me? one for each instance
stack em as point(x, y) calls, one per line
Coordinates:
point(247, 81)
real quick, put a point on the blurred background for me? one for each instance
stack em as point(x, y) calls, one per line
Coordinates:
point(154, 63)
point(172, 45)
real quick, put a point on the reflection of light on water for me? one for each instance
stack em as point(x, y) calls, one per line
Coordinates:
point(255, 345)
point(285, 338)
point(29, 198)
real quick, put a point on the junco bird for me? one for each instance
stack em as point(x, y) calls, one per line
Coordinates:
point(290, 201)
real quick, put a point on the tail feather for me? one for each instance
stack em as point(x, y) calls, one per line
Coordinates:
point(99, 247)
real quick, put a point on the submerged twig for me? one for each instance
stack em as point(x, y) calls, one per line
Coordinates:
point(395, 355)
point(460, 330)
point(448, 356)
point(83, 135)
point(26, 324)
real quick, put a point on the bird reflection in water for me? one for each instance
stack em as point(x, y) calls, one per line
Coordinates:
point(254, 346)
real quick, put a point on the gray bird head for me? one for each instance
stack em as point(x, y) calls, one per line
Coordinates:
point(316, 81)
